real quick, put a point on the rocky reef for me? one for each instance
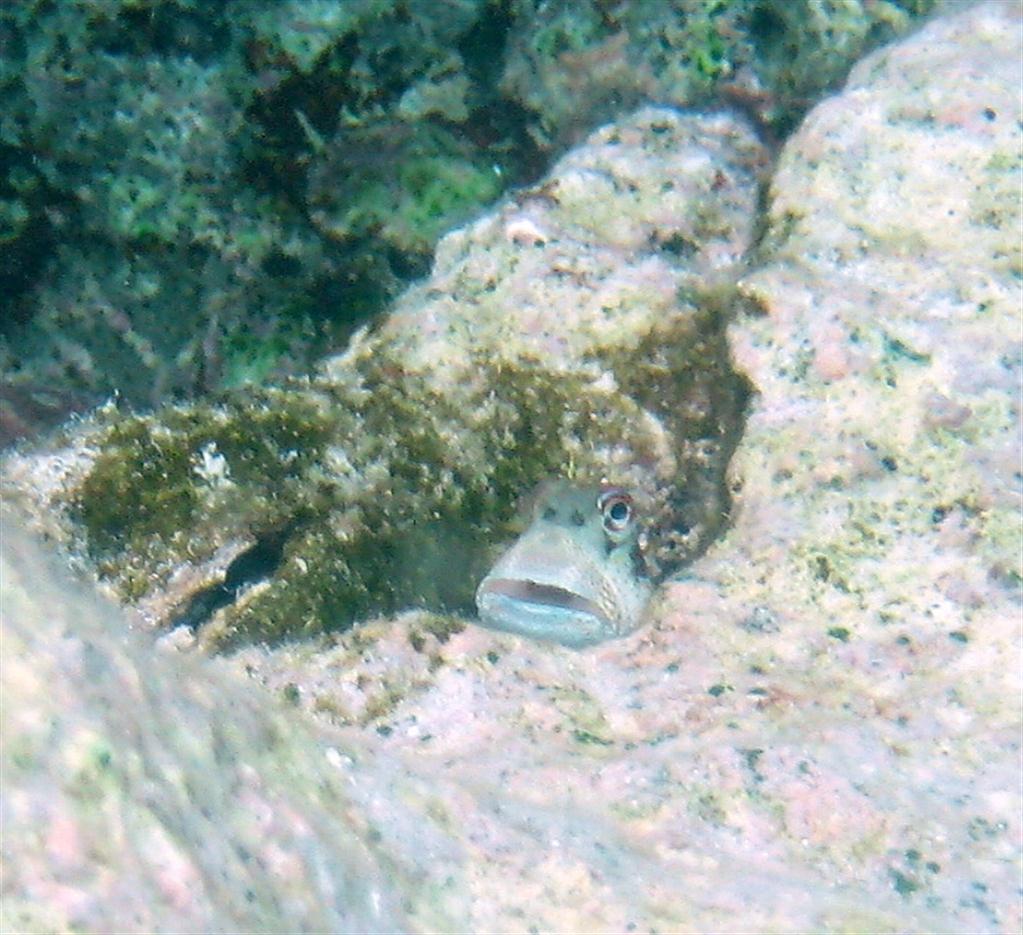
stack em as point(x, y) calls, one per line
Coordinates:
point(196, 196)
point(299, 510)
point(149, 793)
point(819, 729)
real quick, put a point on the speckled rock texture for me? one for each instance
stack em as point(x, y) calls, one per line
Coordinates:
point(158, 794)
point(820, 730)
point(820, 727)
point(577, 331)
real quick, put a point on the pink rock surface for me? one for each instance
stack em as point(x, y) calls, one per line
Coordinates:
point(819, 730)
point(159, 794)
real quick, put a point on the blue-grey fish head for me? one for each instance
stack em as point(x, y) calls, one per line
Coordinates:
point(573, 577)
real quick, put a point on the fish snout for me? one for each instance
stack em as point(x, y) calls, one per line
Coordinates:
point(549, 587)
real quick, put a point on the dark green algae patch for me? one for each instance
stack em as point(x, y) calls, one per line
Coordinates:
point(144, 487)
point(377, 494)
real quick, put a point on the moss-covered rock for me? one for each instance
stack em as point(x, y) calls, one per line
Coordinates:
point(422, 182)
point(196, 196)
point(366, 494)
point(548, 343)
point(573, 62)
point(152, 170)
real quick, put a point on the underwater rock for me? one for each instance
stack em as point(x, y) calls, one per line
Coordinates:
point(819, 731)
point(198, 196)
point(576, 332)
point(572, 63)
point(156, 236)
point(148, 792)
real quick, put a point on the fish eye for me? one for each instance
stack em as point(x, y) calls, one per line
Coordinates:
point(616, 511)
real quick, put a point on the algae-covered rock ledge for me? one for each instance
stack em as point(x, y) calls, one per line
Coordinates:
point(820, 728)
point(576, 332)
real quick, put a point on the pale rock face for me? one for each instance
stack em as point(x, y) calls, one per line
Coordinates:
point(146, 792)
point(593, 257)
point(819, 730)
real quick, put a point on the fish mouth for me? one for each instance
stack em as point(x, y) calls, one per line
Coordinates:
point(545, 595)
point(543, 611)
point(563, 582)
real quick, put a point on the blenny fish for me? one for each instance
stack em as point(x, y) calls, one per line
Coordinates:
point(576, 334)
point(575, 575)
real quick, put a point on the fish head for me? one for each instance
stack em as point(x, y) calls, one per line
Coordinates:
point(574, 575)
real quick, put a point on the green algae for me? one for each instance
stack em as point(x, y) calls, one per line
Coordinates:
point(439, 626)
point(438, 510)
point(137, 488)
point(571, 59)
point(421, 181)
point(159, 477)
point(203, 137)
point(445, 191)
point(375, 492)
point(390, 480)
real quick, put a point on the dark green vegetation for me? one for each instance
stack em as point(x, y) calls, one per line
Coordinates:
point(345, 500)
point(143, 498)
point(685, 377)
point(195, 196)
point(415, 524)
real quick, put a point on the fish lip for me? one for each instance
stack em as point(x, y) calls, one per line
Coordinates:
point(527, 591)
point(561, 583)
point(545, 612)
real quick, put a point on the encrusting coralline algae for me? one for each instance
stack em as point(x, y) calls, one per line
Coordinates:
point(576, 333)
